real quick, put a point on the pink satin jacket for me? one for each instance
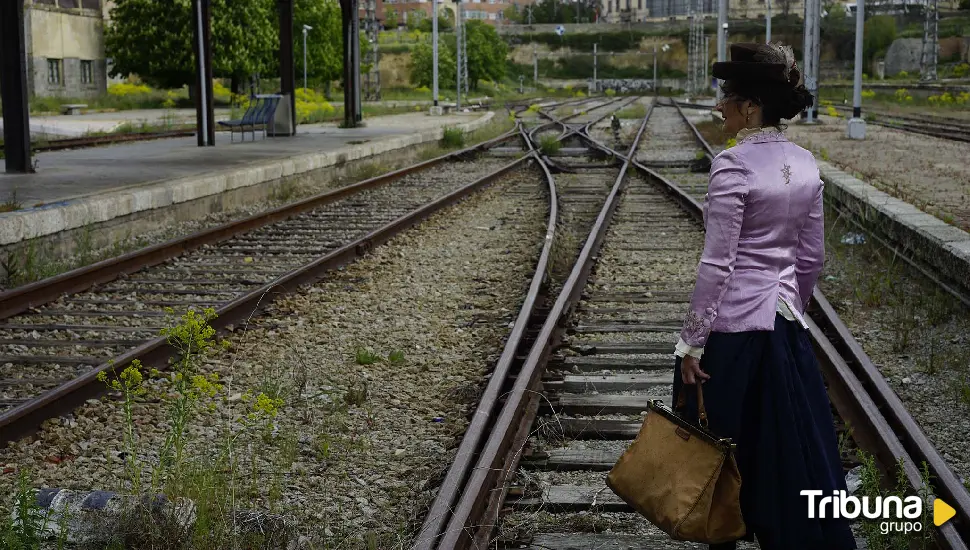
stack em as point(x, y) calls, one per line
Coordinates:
point(764, 241)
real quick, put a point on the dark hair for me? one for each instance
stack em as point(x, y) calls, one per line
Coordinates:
point(778, 100)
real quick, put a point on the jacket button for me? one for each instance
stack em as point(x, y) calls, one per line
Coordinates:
point(709, 311)
point(701, 339)
point(707, 323)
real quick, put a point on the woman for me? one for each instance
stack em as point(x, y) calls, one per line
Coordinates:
point(744, 337)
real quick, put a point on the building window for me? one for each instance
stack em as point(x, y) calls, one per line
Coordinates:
point(54, 70)
point(87, 72)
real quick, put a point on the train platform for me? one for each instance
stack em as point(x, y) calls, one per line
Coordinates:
point(74, 188)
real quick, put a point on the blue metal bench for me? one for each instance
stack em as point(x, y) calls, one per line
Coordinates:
point(246, 120)
point(259, 115)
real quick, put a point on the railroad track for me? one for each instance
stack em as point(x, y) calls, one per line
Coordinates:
point(564, 405)
point(56, 335)
point(941, 127)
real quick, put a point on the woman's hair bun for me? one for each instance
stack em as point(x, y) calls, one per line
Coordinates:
point(798, 99)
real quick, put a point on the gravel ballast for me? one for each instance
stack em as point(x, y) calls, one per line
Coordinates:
point(928, 172)
point(372, 439)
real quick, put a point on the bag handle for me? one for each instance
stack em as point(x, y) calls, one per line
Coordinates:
point(701, 411)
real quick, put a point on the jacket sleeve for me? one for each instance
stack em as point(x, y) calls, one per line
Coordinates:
point(725, 203)
point(810, 254)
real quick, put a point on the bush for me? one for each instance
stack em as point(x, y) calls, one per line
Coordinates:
point(610, 92)
point(312, 107)
point(961, 70)
point(453, 137)
point(125, 89)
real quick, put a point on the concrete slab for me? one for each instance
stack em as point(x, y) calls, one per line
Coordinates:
point(943, 248)
point(76, 188)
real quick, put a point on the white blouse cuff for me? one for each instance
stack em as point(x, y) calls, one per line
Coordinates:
point(683, 348)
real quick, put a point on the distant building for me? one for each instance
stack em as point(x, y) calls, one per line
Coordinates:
point(65, 47)
point(490, 11)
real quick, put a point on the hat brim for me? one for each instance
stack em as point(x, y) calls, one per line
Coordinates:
point(747, 70)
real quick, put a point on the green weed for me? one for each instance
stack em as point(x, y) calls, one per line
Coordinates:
point(364, 356)
point(549, 145)
point(453, 138)
point(396, 356)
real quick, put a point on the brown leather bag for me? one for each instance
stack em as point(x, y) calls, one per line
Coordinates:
point(681, 477)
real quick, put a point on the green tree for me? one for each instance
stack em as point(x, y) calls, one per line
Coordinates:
point(422, 59)
point(154, 39)
point(878, 34)
point(486, 53)
point(324, 42)
point(512, 14)
point(390, 19)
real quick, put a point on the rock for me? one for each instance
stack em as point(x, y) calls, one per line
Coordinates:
point(853, 479)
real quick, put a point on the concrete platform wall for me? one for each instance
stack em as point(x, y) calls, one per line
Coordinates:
point(942, 249)
point(56, 232)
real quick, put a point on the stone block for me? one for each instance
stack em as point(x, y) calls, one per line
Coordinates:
point(857, 128)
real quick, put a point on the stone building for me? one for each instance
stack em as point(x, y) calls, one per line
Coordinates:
point(65, 47)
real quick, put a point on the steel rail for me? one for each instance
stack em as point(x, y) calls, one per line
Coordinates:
point(439, 511)
point(483, 417)
point(23, 298)
point(499, 458)
point(25, 418)
point(857, 384)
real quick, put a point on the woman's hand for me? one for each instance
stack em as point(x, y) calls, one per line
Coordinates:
point(690, 370)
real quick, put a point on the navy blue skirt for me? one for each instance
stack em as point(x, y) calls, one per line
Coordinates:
point(766, 393)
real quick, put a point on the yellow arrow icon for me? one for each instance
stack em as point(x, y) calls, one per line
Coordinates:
point(942, 512)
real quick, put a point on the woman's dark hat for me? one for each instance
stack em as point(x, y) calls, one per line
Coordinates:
point(771, 62)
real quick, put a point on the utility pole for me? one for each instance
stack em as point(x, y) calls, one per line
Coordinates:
point(707, 62)
point(722, 28)
point(305, 29)
point(654, 69)
point(691, 47)
point(535, 64)
point(373, 34)
point(857, 125)
point(464, 52)
point(768, 23)
point(928, 56)
point(594, 71)
point(458, 53)
point(812, 35)
point(434, 56)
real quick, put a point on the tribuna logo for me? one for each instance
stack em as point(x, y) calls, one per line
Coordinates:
point(839, 505)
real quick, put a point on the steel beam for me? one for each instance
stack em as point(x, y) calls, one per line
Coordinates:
point(13, 80)
point(202, 45)
point(349, 16)
point(287, 66)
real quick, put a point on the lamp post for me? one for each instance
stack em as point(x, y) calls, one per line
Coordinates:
point(434, 48)
point(722, 40)
point(305, 29)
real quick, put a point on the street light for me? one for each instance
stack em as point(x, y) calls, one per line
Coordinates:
point(305, 29)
